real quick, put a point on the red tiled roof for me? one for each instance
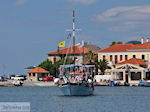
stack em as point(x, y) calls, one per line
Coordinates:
point(38, 70)
point(142, 46)
point(134, 61)
point(117, 48)
point(69, 50)
point(125, 47)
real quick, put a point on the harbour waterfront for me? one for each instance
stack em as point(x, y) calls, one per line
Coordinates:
point(105, 99)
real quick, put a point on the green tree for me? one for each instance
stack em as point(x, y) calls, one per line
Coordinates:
point(90, 58)
point(114, 43)
point(47, 65)
point(62, 61)
point(103, 65)
point(53, 68)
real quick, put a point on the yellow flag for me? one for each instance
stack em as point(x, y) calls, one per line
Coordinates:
point(62, 44)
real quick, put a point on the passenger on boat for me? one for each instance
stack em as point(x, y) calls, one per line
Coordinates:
point(60, 81)
point(72, 79)
point(65, 80)
point(84, 79)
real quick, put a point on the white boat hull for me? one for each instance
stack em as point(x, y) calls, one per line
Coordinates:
point(147, 84)
point(76, 90)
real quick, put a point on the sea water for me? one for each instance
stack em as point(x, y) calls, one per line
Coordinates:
point(105, 99)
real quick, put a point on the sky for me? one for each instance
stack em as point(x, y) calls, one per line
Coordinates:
point(29, 29)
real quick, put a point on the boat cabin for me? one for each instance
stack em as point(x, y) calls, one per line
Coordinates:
point(77, 73)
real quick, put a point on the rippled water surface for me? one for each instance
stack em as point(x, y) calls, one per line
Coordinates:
point(105, 99)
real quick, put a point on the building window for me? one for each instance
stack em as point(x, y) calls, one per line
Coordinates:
point(33, 74)
point(104, 57)
point(111, 57)
point(126, 57)
point(134, 56)
point(43, 74)
point(116, 58)
point(54, 59)
point(148, 75)
point(135, 76)
point(143, 57)
point(29, 74)
point(119, 76)
point(120, 57)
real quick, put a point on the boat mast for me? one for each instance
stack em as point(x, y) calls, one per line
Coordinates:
point(73, 30)
point(73, 35)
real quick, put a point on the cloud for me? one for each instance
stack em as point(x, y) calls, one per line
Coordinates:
point(125, 13)
point(21, 2)
point(129, 17)
point(87, 2)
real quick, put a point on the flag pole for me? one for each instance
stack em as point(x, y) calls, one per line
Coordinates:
point(83, 52)
point(58, 48)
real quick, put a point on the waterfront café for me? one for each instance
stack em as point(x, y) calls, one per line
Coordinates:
point(37, 73)
point(131, 71)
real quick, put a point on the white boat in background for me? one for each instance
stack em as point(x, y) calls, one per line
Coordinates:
point(147, 83)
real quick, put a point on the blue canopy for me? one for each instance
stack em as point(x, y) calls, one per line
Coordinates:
point(30, 67)
point(71, 66)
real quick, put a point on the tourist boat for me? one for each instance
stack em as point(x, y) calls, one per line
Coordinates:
point(76, 79)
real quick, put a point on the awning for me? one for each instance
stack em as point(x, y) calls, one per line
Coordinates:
point(72, 66)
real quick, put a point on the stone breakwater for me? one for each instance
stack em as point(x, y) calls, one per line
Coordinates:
point(27, 84)
point(6, 83)
point(38, 83)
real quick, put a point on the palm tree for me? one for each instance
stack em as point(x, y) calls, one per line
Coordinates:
point(103, 65)
point(90, 58)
